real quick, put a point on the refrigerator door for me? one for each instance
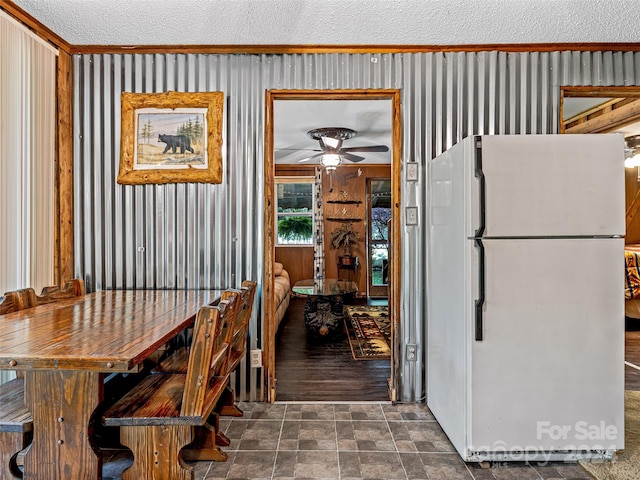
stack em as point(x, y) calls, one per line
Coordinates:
point(549, 372)
point(547, 185)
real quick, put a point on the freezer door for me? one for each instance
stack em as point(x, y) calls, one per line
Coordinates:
point(548, 373)
point(547, 185)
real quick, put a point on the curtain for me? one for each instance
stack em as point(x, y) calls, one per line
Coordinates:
point(318, 244)
point(27, 159)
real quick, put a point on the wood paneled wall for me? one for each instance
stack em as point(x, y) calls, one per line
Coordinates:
point(349, 181)
point(298, 261)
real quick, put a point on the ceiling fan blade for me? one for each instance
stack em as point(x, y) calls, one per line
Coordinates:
point(296, 149)
point(373, 148)
point(312, 157)
point(279, 155)
point(351, 157)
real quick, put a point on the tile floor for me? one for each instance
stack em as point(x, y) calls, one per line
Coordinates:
point(347, 441)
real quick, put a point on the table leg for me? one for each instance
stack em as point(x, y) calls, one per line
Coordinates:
point(62, 403)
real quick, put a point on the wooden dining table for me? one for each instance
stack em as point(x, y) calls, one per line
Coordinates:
point(67, 349)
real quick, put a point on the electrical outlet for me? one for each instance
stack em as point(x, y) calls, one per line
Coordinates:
point(412, 352)
point(256, 358)
point(412, 215)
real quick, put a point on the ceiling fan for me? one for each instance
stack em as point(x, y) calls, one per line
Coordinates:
point(332, 153)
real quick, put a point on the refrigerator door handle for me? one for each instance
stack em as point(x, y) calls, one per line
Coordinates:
point(479, 174)
point(481, 290)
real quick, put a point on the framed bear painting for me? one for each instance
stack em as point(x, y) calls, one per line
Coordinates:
point(171, 137)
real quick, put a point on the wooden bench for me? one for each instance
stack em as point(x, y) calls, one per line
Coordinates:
point(157, 418)
point(16, 423)
point(16, 426)
point(177, 363)
point(238, 347)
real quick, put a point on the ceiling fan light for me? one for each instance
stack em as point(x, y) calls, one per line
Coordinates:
point(330, 161)
point(631, 162)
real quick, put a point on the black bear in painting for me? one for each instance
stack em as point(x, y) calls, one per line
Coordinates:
point(175, 141)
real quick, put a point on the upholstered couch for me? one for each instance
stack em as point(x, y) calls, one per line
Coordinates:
point(281, 291)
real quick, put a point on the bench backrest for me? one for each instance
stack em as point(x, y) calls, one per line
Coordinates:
point(27, 297)
point(238, 337)
point(16, 300)
point(72, 288)
point(207, 355)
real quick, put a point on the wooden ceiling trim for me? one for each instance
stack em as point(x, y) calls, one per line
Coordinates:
point(354, 49)
point(600, 91)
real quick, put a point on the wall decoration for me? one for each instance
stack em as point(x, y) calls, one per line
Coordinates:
point(171, 137)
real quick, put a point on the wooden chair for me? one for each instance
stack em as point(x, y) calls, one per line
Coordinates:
point(157, 417)
point(16, 423)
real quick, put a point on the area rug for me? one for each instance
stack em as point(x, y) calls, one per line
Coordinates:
point(626, 466)
point(369, 330)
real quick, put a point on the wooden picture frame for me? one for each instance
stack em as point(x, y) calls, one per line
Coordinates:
point(171, 137)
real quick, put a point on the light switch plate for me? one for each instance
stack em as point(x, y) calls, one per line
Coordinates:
point(412, 171)
point(412, 215)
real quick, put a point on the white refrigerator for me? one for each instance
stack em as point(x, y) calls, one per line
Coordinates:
point(525, 306)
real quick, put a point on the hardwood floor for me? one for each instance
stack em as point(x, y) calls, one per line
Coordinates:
point(308, 371)
point(327, 372)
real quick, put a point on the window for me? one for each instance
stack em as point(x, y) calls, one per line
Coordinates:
point(379, 211)
point(295, 210)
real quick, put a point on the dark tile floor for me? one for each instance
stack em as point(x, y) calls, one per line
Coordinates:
point(347, 441)
point(354, 440)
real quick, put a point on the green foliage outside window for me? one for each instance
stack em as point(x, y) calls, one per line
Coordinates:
point(295, 229)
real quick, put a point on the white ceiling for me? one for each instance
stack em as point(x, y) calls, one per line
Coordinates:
point(574, 105)
point(292, 119)
point(336, 22)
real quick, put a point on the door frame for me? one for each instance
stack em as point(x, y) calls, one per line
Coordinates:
point(269, 327)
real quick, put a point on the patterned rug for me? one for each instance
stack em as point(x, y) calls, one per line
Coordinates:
point(369, 330)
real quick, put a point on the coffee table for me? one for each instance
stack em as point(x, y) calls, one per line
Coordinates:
point(323, 312)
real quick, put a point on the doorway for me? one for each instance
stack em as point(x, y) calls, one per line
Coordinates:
point(614, 110)
point(306, 154)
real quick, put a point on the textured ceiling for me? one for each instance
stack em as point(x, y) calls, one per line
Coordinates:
point(336, 22)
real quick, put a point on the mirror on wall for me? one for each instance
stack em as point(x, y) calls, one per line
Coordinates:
point(609, 110)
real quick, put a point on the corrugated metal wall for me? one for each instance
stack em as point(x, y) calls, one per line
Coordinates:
point(208, 236)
